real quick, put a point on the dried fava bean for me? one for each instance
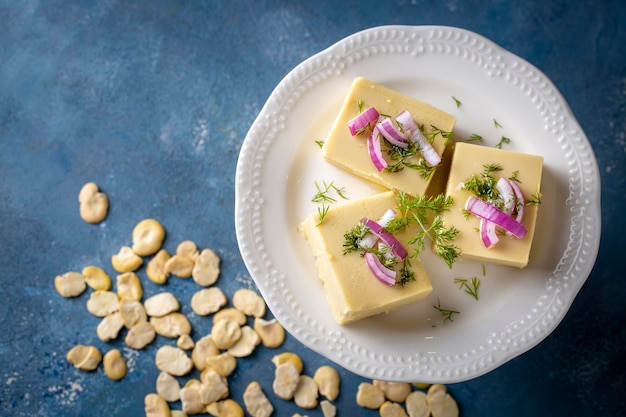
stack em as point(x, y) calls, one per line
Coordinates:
point(206, 269)
point(224, 363)
point(207, 301)
point(328, 408)
point(161, 304)
point(129, 286)
point(126, 260)
point(148, 237)
point(110, 326)
point(178, 413)
point(271, 332)
point(256, 402)
point(187, 248)
point(417, 404)
point(214, 387)
point(306, 393)
point(171, 325)
point(84, 357)
point(285, 382)
point(132, 312)
point(94, 204)
point(102, 303)
point(155, 270)
point(441, 403)
point(168, 387)
point(140, 335)
point(180, 266)
point(290, 357)
point(391, 409)
point(225, 408)
point(185, 341)
point(394, 391)
point(249, 302)
point(245, 345)
point(204, 348)
point(225, 333)
point(327, 380)
point(173, 360)
point(96, 278)
point(114, 365)
point(191, 399)
point(70, 284)
point(156, 406)
point(231, 313)
point(369, 396)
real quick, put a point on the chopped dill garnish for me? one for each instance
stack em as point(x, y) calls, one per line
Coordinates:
point(427, 212)
point(457, 102)
point(503, 141)
point(446, 313)
point(496, 124)
point(353, 237)
point(320, 143)
point(474, 138)
point(323, 196)
point(470, 287)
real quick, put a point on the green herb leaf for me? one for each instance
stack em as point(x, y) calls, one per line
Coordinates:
point(503, 140)
point(446, 313)
point(470, 287)
point(457, 102)
point(474, 138)
point(496, 124)
point(320, 143)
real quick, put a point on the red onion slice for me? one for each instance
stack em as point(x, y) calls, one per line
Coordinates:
point(487, 211)
point(389, 239)
point(373, 146)
point(390, 130)
point(370, 239)
point(364, 119)
point(429, 153)
point(520, 202)
point(506, 192)
point(385, 275)
point(488, 233)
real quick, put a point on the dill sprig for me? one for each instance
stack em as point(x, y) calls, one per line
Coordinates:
point(503, 141)
point(324, 198)
point(446, 313)
point(436, 131)
point(427, 212)
point(320, 143)
point(474, 137)
point(470, 287)
point(457, 102)
point(483, 186)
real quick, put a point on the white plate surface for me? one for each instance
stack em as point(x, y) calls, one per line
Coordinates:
point(279, 163)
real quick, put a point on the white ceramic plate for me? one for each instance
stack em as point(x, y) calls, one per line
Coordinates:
point(279, 162)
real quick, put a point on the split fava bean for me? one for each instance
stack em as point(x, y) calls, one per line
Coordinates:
point(271, 332)
point(102, 303)
point(306, 393)
point(110, 326)
point(171, 325)
point(155, 270)
point(180, 266)
point(224, 363)
point(94, 205)
point(129, 286)
point(392, 409)
point(225, 408)
point(132, 312)
point(256, 402)
point(249, 302)
point(96, 278)
point(206, 269)
point(114, 365)
point(173, 360)
point(156, 406)
point(205, 347)
point(126, 260)
point(70, 284)
point(140, 335)
point(168, 387)
point(245, 345)
point(84, 357)
point(207, 301)
point(394, 391)
point(327, 379)
point(148, 237)
point(161, 304)
point(230, 313)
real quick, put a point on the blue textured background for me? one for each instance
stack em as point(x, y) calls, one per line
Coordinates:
point(152, 100)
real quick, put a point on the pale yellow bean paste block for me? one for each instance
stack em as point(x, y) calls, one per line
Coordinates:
point(351, 152)
point(469, 159)
point(351, 288)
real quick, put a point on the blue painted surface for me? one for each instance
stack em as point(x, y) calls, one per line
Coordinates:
point(152, 99)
